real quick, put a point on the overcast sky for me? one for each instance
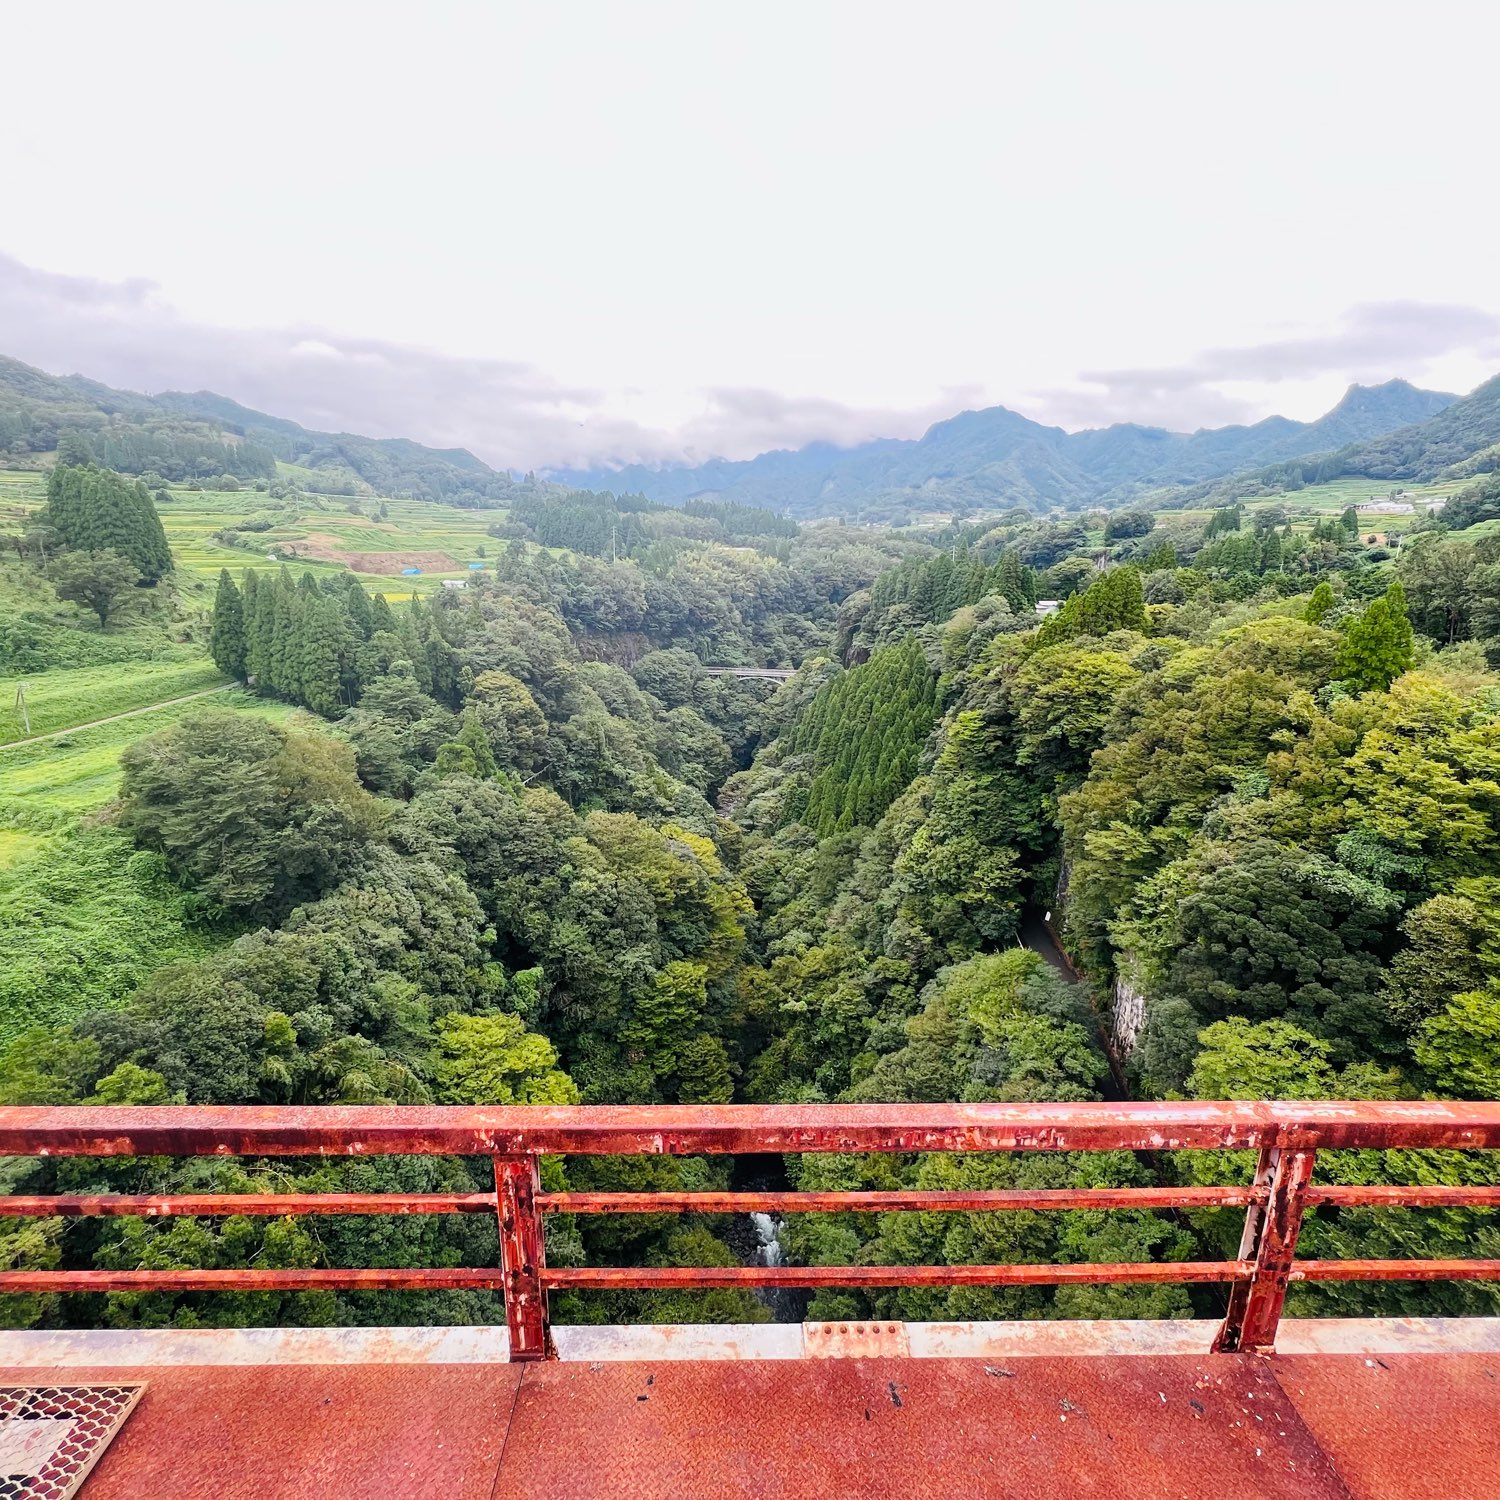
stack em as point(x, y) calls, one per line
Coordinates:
point(586, 232)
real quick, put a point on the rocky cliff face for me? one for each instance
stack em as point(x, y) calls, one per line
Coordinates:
point(1128, 1015)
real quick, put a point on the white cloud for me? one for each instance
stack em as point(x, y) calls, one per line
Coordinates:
point(511, 414)
point(559, 233)
point(1370, 343)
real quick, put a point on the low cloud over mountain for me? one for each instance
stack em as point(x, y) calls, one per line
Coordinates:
point(517, 415)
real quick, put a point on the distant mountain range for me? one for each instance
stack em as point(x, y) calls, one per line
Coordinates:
point(996, 456)
point(980, 460)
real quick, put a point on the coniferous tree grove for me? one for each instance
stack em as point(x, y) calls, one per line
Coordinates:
point(1113, 601)
point(303, 641)
point(96, 510)
point(178, 453)
point(865, 730)
point(226, 642)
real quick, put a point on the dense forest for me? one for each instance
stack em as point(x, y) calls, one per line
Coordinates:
point(523, 848)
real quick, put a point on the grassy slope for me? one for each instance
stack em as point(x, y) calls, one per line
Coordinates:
point(1305, 507)
point(51, 783)
point(83, 915)
point(58, 700)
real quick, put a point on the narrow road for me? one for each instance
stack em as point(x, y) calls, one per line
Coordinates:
point(150, 708)
point(1036, 935)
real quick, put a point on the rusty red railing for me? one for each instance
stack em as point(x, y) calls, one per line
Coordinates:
point(1287, 1137)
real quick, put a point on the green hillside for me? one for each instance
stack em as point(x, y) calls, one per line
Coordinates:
point(199, 436)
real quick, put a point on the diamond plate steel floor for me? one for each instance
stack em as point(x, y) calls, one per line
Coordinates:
point(1217, 1427)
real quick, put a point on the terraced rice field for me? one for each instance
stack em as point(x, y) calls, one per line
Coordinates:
point(1337, 494)
point(325, 536)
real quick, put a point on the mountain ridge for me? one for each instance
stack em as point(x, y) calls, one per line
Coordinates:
point(995, 455)
point(978, 459)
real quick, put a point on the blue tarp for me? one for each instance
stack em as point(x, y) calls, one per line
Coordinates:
point(410, 572)
point(476, 565)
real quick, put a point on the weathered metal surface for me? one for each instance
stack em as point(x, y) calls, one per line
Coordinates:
point(206, 1205)
point(1051, 1338)
point(593, 1342)
point(1395, 1270)
point(522, 1255)
point(1227, 1339)
point(1287, 1428)
point(1002, 1275)
point(312, 1432)
point(51, 1436)
point(256, 1279)
point(912, 1202)
point(1255, 1310)
point(252, 1279)
point(1401, 1426)
point(77, 1348)
point(257, 1130)
point(1146, 1429)
point(1363, 1195)
point(872, 1340)
point(1366, 1336)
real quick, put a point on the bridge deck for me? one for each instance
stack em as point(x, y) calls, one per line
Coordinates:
point(445, 1421)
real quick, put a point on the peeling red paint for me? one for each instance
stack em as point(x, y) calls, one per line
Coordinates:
point(1395, 1270)
point(912, 1202)
point(209, 1205)
point(1007, 1275)
point(268, 1130)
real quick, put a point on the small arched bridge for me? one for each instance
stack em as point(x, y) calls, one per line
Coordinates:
point(770, 674)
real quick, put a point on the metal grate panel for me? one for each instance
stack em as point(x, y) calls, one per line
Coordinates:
point(52, 1435)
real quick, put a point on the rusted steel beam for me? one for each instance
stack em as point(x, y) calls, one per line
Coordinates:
point(492, 1278)
point(208, 1205)
point(1255, 1311)
point(1360, 1195)
point(522, 1255)
point(423, 1279)
point(1227, 1339)
point(263, 1130)
point(912, 1202)
point(1396, 1270)
point(753, 1276)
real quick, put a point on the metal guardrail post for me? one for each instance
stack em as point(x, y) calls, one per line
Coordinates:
point(522, 1256)
point(1270, 1240)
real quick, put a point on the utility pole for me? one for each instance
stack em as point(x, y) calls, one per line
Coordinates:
point(21, 705)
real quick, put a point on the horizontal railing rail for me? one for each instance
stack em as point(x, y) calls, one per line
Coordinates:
point(1286, 1137)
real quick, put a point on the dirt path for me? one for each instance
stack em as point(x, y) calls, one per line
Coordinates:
point(150, 708)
